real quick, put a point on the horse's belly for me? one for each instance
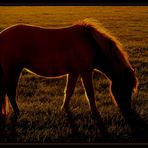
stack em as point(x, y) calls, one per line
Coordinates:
point(54, 64)
point(50, 69)
point(54, 69)
point(47, 72)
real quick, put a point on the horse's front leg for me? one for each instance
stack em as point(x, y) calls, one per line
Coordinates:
point(89, 90)
point(87, 82)
point(71, 82)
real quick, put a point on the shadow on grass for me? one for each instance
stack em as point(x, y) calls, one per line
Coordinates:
point(79, 137)
point(139, 131)
point(139, 127)
point(139, 134)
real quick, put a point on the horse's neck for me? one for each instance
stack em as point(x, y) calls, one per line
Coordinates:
point(114, 74)
point(115, 67)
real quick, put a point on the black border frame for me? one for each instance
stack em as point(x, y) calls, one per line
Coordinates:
point(74, 3)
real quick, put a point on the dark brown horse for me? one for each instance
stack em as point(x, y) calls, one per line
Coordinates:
point(76, 51)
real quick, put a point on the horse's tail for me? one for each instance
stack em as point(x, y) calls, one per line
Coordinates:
point(5, 104)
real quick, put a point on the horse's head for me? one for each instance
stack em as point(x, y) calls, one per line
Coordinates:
point(122, 90)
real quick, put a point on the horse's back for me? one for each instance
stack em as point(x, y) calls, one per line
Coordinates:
point(22, 33)
point(47, 51)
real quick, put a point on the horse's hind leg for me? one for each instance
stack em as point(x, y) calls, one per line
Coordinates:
point(11, 91)
point(2, 91)
point(71, 82)
point(2, 99)
point(2, 115)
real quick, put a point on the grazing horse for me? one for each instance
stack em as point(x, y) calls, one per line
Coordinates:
point(76, 50)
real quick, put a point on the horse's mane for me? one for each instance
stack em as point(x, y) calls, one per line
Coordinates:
point(106, 35)
point(117, 52)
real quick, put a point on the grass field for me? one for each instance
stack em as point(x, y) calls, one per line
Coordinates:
point(40, 99)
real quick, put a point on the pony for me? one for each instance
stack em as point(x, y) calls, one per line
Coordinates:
point(74, 51)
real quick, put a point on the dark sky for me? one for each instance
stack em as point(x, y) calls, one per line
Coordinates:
point(74, 1)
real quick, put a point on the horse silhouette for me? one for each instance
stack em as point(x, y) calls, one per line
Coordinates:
point(76, 50)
